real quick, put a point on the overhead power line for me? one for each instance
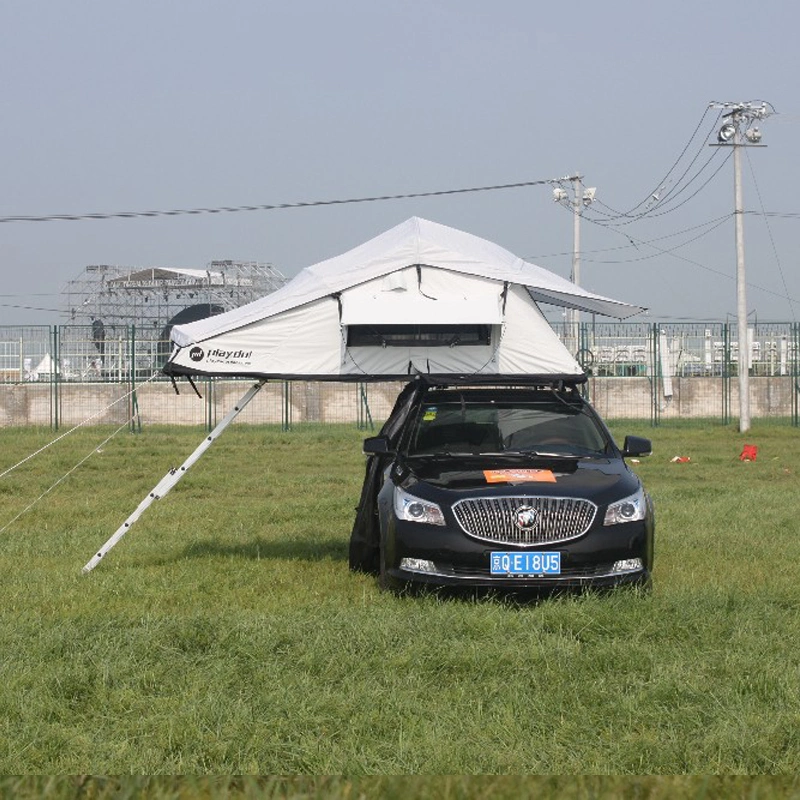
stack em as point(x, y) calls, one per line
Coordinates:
point(673, 254)
point(631, 243)
point(771, 238)
point(28, 308)
point(666, 187)
point(655, 210)
point(709, 228)
point(269, 207)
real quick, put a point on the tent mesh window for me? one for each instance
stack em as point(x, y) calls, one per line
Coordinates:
point(417, 335)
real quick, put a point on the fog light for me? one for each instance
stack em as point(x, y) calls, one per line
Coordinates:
point(628, 565)
point(417, 565)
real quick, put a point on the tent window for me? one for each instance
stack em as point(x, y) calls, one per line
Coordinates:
point(416, 335)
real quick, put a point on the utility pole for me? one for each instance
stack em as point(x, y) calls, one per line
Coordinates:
point(741, 116)
point(741, 287)
point(581, 198)
point(575, 275)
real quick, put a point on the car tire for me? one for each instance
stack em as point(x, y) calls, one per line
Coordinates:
point(383, 576)
point(362, 556)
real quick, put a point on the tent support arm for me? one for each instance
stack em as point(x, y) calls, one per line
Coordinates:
point(172, 477)
point(194, 386)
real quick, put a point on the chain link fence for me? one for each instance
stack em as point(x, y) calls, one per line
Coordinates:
point(65, 375)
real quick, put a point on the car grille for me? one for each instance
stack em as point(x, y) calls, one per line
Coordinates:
point(494, 519)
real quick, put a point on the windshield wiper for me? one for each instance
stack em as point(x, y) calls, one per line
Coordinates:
point(444, 454)
point(546, 454)
point(503, 454)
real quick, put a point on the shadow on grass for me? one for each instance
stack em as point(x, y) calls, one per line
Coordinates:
point(520, 598)
point(263, 549)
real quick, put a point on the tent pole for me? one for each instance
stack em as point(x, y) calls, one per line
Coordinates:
point(172, 477)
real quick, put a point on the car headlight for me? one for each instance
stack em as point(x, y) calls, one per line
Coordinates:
point(412, 509)
point(630, 509)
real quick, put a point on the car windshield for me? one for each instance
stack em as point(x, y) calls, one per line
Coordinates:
point(547, 427)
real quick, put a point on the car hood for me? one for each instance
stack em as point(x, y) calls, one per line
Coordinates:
point(592, 478)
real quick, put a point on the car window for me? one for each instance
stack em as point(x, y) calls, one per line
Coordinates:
point(484, 427)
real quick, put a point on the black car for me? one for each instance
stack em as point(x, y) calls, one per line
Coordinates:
point(511, 488)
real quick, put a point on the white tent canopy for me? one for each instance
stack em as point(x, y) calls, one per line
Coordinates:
point(421, 298)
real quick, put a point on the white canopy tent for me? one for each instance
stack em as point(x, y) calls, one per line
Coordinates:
point(419, 299)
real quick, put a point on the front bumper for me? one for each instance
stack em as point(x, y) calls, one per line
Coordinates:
point(601, 576)
point(424, 555)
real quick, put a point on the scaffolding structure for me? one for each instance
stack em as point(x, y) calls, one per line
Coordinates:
point(151, 298)
point(107, 303)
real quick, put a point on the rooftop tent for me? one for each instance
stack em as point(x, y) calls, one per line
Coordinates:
point(419, 299)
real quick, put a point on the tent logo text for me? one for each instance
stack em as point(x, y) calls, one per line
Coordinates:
point(196, 354)
point(229, 356)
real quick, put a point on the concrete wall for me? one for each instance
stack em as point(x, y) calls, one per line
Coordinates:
point(696, 397)
point(108, 404)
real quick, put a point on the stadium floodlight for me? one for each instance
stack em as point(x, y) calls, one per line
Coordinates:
point(726, 133)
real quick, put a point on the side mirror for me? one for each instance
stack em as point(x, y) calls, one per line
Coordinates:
point(637, 446)
point(376, 445)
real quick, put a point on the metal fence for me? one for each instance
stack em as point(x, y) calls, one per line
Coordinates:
point(56, 375)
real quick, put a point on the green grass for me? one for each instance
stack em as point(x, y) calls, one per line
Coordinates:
point(225, 635)
point(401, 788)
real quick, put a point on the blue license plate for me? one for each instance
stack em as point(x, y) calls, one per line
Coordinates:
point(525, 563)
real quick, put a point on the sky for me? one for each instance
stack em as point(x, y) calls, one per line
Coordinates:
point(115, 106)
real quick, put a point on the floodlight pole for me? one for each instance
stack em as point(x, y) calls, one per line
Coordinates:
point(730, 135)
point(581, 198)
point(741, 287)
point(575, 277)
point(172, 477)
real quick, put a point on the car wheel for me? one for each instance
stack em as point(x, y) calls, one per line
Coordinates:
point(363, 555)
point(383, 578)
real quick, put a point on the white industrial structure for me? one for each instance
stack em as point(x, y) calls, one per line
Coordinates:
point(153, 296)
point(108, 306)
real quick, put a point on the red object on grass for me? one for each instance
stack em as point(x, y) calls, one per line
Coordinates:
point(749, 453)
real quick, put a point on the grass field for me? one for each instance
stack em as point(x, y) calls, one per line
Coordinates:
point(225, 635)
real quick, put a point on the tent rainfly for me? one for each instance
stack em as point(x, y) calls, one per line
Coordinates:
point(419, 299)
